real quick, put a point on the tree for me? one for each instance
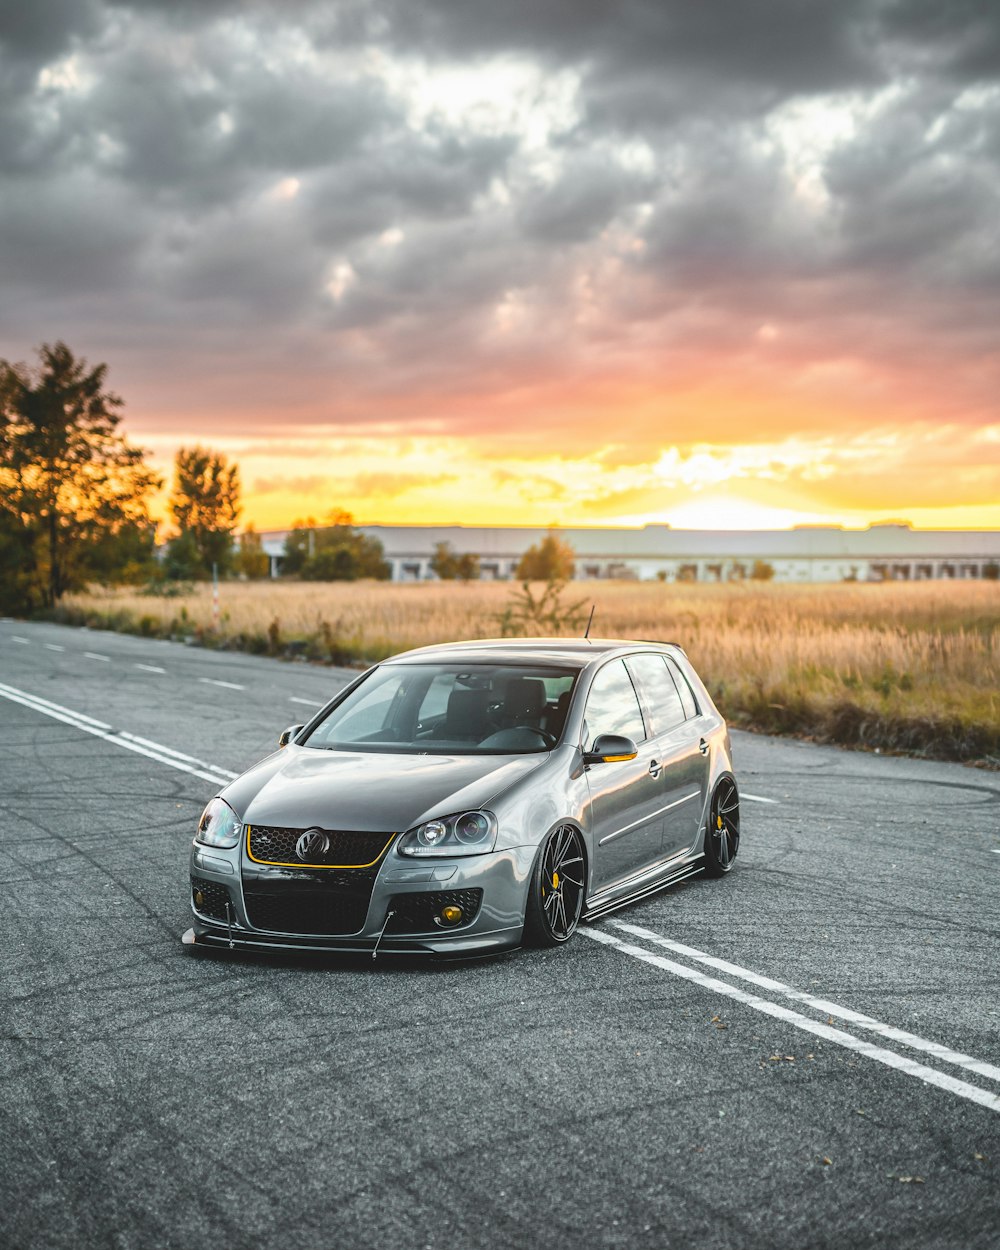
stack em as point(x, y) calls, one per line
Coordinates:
point(762, 571)
point(251, 559)
point(550, 560)
point(448, 564)
point(298, 546)
point(205, 503)
point(335, 552)
point(74, 491)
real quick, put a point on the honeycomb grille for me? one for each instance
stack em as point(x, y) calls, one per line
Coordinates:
point(209, 899)
point(318, 912)
point(415, 913)
point(335, 848)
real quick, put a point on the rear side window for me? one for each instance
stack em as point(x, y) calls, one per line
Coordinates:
point(663, 703)
point(684, 689)
point(612, 706)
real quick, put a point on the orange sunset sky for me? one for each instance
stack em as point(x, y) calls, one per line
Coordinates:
point(717, 265)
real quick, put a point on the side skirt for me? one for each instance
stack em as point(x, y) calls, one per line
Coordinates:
point(601, 906)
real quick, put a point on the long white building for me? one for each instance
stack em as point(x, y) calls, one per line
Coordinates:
point(805, 554)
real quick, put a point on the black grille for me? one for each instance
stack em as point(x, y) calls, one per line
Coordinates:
point(268, 844)
point(317, 911)
point(415, 913)
point(210, 898)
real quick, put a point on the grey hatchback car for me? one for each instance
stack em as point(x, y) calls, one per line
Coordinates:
point(467, 798)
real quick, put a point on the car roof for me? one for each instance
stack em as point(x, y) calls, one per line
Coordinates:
point(574, 651)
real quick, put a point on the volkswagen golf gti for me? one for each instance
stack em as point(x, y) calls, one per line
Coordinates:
point(462, 799)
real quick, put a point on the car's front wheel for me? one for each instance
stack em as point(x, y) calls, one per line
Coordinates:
point(556, 889)
point(722, 835)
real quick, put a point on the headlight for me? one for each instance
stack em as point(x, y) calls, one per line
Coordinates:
point(469, 833)
point(219, 825)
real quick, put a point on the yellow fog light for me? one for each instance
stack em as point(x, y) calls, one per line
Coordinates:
point(451, 915)
point(199, 898)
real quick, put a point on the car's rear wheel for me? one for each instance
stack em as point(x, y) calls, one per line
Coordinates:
point(556, 889)
point(722, 835)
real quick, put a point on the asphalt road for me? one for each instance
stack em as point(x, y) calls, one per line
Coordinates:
point(804, 1054)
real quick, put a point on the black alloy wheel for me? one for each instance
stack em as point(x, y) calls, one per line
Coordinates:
point(722, 836)
point(555, 894)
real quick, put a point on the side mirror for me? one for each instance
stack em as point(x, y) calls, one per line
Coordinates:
point(610, 749)
point(288, 735)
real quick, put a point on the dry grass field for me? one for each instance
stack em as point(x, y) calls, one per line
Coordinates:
point(907, 667)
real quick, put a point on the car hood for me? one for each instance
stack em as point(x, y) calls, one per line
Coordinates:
point(369, 791)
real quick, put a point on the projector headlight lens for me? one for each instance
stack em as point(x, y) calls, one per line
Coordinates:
point(219, 825)
point(468, 833)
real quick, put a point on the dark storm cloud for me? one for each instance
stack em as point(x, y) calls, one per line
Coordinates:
point(229, 173)
point(36, 32)
point(590, 194)
point(780, 45)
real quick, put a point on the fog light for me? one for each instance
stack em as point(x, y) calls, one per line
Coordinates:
point(451, 915)
point(199, 898)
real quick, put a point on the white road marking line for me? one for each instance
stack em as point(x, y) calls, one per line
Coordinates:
point(151, 668)
point(18, 638)
point(130, 742)
point(93, 655)
point(822, 1005)
point(757, 798)
point(52, 646)
point(930, 1076)
point(47, 704)
point(189, 759)
point(230, 685)
point(307, 702)
point(995, 850)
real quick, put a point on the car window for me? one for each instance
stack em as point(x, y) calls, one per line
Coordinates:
point(659, 693)
point(371, 712)
point(683, 687)
point(612, 706)
point(450, 708)
point(435, 702)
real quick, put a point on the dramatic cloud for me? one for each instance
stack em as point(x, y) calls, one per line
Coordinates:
point(575, 259)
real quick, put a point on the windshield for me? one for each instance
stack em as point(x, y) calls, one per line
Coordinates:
point(449, 709)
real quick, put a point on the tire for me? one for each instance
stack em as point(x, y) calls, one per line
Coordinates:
point(722, 830)
point(556, 889)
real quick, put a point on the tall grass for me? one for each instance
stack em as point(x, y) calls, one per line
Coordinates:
point(912, 667)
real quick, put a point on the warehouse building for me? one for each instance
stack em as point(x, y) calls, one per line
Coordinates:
point(889, 552)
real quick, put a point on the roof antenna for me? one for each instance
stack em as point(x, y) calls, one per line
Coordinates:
point(586, 633)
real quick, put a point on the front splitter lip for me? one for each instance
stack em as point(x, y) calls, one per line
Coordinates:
point(456, 947)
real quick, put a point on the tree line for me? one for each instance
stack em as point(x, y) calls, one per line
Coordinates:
point(75, 496)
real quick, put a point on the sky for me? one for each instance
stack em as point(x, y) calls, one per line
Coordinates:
point(733, 263)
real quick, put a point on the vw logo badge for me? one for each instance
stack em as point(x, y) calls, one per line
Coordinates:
point(313, 844)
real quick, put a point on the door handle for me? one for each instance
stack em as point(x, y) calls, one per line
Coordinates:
point(703, 747)
point(655, 768)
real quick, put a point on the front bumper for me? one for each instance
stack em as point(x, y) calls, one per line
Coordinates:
point(221, 880)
